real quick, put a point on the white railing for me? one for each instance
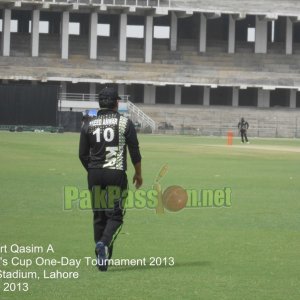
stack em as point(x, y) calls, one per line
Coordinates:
point(78, 97)
point(85, 97)
point(133, 110)
point(140, 115)
point(139, 3)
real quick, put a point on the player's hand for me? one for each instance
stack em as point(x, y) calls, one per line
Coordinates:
point(137, 180)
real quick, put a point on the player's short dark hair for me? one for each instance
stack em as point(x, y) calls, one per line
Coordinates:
point(108, 98)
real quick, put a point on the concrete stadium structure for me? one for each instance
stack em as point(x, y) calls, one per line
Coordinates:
point(208, 60)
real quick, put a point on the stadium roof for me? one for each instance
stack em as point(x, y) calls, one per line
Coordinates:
point(279, 7)
point(253, 7)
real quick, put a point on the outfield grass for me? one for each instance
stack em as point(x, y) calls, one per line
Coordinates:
point(247, 251)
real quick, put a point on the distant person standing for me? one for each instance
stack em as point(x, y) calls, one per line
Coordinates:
point(243, 127)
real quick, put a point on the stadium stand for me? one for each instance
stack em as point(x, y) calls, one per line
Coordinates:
point(209, 70)
point(218, 120)
point(200, 70)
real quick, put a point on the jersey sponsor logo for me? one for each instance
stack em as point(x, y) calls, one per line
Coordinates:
point(111, 157)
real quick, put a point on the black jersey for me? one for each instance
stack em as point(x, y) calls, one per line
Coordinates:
point(104, 139)
point(243, 125)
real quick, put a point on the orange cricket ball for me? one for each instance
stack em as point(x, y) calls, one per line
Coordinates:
point(174, 198)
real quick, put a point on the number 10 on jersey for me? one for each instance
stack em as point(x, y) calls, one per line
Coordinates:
point(108, 134)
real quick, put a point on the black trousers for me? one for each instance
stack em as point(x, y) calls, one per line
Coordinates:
point(108, 219)
point(244, 135)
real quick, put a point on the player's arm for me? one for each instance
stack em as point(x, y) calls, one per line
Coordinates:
point(84, 147)
point(135, 155)
point(137, 178)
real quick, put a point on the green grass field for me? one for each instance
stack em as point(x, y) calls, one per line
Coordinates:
point(250, 250)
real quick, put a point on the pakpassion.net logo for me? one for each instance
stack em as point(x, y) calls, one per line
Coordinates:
point(174, 198)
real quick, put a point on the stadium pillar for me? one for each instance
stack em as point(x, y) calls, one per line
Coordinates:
point(148, 38)
point(6, 32)
point(121, 89)
point(122, 37)
point(178, 95)
point(93, 35)
point(65, 35)
point(149, 94)
point(92, 88)
point(289, 36)
point(174, 31)
point(202, 33)
point(263, 100)
point(293, 98)
point(261, 33)
point(235, 96)
point(35, 32)
point(231, 35)
point(63, 87)
point(206, 96)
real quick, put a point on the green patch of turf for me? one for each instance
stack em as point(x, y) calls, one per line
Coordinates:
point(247, 251)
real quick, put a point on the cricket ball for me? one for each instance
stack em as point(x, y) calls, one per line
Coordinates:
point(174, 198)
